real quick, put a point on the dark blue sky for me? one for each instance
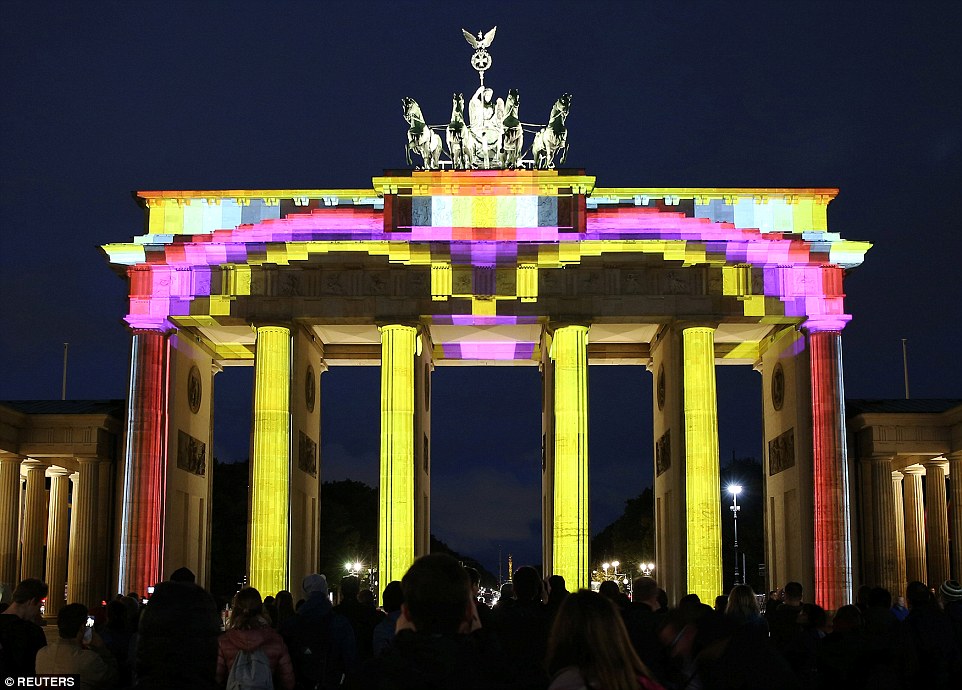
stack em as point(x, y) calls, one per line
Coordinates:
point(107, 97)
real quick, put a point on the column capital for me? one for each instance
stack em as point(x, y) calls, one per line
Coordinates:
point(826, 323)
point(913, 470)
point(33, 464)
point(938, 463)
point(57, 471)
point(897, 476)
point(140, 324)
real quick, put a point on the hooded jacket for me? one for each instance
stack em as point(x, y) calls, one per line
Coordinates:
point(265, 639)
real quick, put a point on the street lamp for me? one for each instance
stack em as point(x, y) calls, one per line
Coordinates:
point(734, 490)
point(647, 568)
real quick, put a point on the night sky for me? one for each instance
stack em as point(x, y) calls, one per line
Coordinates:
point(102, 98)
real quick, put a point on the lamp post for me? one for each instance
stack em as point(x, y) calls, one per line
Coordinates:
point(647, 568)
point(734, 490)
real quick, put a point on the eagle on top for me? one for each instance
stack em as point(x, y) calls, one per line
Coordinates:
point(482, 42)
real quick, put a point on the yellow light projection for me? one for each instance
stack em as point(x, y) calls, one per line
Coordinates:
point(570, 539)
point(701, 465)
point(269, 468)
point(396, 513)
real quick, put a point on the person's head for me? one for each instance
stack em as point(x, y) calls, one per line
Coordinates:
point(393, 596)
point(879, 598)
point(917, 594)
point(315, 584)
point(742, 602)
point(284, 601)
point(506, 591)
point(247, 610)
point(183, 575)
point(366, 598)
point(721, 602)
point(950, 591)
point(812, 617)
point(609, 590)
point(350, 586)
point(793, 593)
point(645, 589)
point(557, 590)
point(527, 584)
point(847, 618)
point(474, 577)
point(116, 615)
point(27, 598)
point(437, 594)
point(588, 633)
point(71, 621)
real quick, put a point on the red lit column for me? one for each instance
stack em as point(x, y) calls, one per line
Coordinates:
point(141, 540)
point(833, 542)
point(34, 521)
point(9, 519)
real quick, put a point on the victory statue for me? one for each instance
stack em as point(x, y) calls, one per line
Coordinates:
point(493, 136)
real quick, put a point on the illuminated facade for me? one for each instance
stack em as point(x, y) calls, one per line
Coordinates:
point(530, 268)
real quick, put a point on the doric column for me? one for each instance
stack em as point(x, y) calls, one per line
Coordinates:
point(570, 538)
point(833, 541)
point(914, 525)
point(270, 495)
point(34, 521)
point(145, 460)
point(396, 492)
point(83, 536)
point(702, 481)
point(899, 509)
point(884, 545)
point(955, 515)
point(936, 522)
point(9, 519)
point(58, 534)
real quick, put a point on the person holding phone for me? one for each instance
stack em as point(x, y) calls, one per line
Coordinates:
point(79, 651)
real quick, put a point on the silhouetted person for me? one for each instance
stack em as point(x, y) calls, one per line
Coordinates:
point(183, 575)
point(439, 642)
point(250, 631)
point(523, 627)
point(71, 654)
point(177, 639)
point(363, 619)
point(557, 592)
point(932, 658)
point(320, 641)
point(392, 599)
point(484, 611)
point(20, 635)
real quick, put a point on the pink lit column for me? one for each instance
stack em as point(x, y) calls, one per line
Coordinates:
point(833, 542)
point(141, 540)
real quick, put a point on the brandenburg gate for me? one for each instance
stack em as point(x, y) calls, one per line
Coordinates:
point(486, 256)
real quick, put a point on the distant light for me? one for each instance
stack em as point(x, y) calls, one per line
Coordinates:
point(358, 565)
point(347, 566)
point(734, 489)
point(615, 564)
point(605, 565)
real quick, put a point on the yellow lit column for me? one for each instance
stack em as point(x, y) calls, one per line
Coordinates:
point(9, 519)
point(702, 481)
point(570, 535)
point(34, 521)
point(396, 489)
point(270, 480)
point(57, 535)
point(899, 510)
point(936, 521)
point(914, 525)
point(83, 535)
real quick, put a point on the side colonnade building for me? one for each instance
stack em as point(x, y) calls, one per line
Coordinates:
point(511, 267)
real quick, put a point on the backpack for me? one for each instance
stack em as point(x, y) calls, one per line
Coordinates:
point(316, 666)
point(250, 671)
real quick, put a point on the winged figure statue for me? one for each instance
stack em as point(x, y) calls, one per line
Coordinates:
point(482, 42)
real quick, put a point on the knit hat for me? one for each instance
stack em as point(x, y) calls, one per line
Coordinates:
point(951, 590)
point(315, 583)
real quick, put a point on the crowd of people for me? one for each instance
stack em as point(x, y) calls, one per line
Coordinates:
point(433, 631)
